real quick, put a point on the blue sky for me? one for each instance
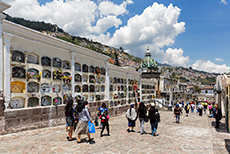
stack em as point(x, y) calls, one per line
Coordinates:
point(180, 32)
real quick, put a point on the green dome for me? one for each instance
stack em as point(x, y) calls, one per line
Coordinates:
point(148, 62)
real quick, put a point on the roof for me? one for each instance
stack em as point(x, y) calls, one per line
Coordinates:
point(207, 88)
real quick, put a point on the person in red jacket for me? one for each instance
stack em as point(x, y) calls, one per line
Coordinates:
point(104, 121)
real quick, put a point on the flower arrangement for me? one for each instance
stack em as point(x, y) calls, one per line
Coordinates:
point(33, 75)
point(92, 80)
point(58, 74)
point(98, 71)
point(78, 88)
point(67, 79)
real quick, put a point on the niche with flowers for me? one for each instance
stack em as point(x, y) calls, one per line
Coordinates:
point(56, 88)
point(57, 101)
point(91, 79)
point(46, 74)
point(78, 88)
point(77, 78)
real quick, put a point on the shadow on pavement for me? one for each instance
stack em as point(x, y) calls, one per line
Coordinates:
point(227, 145)
point(221, 128)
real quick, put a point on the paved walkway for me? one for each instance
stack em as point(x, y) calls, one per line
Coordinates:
point(193, 135)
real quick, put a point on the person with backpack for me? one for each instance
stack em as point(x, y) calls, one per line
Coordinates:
point(131, 116)
point(101, 110)
point(186, 108)
point(104, 120)
point(83, 118)
point(69, 118)
point(141, 112)
point(154, 117)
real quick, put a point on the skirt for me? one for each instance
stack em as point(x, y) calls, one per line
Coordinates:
point(69, 120)
point(82, 127)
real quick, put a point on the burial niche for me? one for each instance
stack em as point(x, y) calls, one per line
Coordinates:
point(33, 101)
point(57, 101)
point(46, 74)
point(45, 88)
point(32, 58)
point(32, 87)
point(17, 103)
point(46, 61)
point(77, 67)
point(18, 56)
point(46, 101)
point(66, 64)
point(18, 72)
point(57, 62)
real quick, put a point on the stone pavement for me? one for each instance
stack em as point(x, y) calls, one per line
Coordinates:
point(193, 135)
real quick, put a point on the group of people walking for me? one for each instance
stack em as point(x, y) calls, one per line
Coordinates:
point(153, 116)
point(214, 110)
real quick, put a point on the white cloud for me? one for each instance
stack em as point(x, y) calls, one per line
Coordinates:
point(175, 57)
point(77, 17)
point(210, 66)
point(219, 59)
point(224, 2)
point(156, 27)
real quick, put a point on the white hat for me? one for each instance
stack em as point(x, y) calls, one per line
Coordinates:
point(152, 104)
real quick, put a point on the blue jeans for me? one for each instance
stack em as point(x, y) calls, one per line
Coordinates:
point(142, 125)
point(177, 117)
point(154, 127)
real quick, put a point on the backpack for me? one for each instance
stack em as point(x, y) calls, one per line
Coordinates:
point(157, 116)
point(103, 118)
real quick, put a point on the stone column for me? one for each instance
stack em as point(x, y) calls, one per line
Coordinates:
point(1, 56)
point(7, 70)
point(73, 75)
point(107, 83)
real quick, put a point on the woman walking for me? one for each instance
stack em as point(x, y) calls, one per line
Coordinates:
point(154, 117)
point(141, 112)
point(84, 117)
point(177, 112)
point(104, 120)
point(69, 118)
point(131, 116)
point(186, 108)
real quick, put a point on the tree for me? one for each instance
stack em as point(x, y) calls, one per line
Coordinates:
point(197, 89)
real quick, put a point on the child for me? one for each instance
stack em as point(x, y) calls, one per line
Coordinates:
point(104, 121)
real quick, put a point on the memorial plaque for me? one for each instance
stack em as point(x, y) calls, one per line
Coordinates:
point(46, 101)
point(45, 88)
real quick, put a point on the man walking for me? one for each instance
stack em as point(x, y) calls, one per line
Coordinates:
point(154, 117)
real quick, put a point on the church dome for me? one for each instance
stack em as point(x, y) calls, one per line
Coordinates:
point(148, 62)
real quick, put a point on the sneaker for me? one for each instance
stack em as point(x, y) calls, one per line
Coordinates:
point(128, 130)
point(132, 130)
point(154, 134)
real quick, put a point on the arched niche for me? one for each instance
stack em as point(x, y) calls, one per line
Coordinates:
point(18, 56)
point(118, 80)
point(97, 88)
point(67, 74)
point(33, 73)
point(33, 58)
point(46, 74)
point(45, 88)
point(91, 88)
point(32, 87)
point(46, 101)
point(77, 67)
point(97, 70)
point(114, 80)
point(46, 61)
point(66, 87)
point(85, 68)
point(118, 88)
point(66, 64)
point(103, 71)
point(122, 88)
point(56, 88)
point(84, 78)
point(78, 88)
point(111, 104)
point(91, 69)
point(17, 102)
point(98, 79)
point(122, 81)
point(102, 80)
point(85, 97)
point(102, 88)
point(115, 103)
point(98, 97)
point(77, 78)
point(125, 81)
point(57, 62)
point(57, 101)
point(33, 101)
point(18, 72)
point(18, 87)
point(114, 88)
point(91, 79)
point(110, 87)
point(110, 80)
point(85, 88)
point(91, 98)
point(102, 97)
